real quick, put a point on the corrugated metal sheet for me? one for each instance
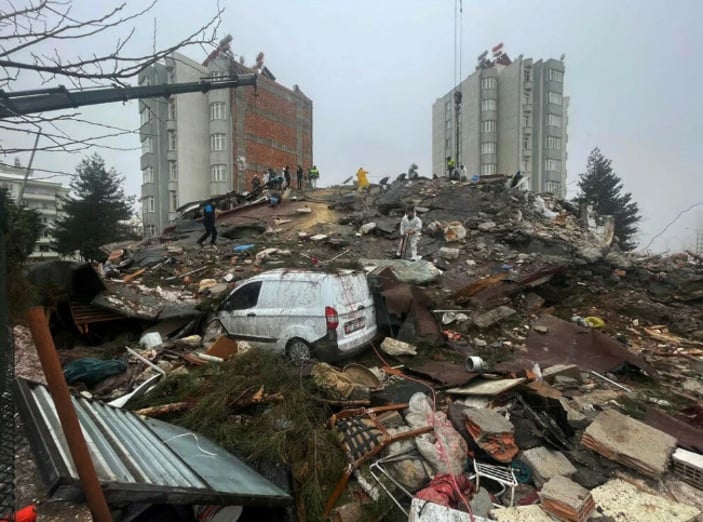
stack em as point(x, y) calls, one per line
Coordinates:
point(137, 459)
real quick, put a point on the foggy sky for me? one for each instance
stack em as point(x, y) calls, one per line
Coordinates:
point(374, 68)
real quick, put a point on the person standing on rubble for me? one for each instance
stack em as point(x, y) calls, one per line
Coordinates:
point(410, 228)
point(209, 211)
point(266, 177)
point(286, 175)
point(255, 183)
point(451, 167)
point(299, 177)
point(463, 176)
point(314, 175)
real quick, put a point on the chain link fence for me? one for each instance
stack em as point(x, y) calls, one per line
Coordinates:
point(7, 430)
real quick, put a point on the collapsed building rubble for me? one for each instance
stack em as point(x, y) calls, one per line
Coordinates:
point(533, 365)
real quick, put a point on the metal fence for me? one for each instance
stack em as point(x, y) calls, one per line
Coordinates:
point(7, 429)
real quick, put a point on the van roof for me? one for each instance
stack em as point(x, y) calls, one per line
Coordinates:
point(297, 274)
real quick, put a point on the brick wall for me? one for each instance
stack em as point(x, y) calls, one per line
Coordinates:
point(268, 128)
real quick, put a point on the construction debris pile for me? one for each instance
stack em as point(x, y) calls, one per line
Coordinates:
point(527, 369)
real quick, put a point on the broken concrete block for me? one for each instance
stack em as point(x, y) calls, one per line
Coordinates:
point(481, 503)
point(415, 272)
point(546, 464)
point(303, 210)
point(531, 513)
point(394, 347)
point(318, 237)
point(492, 432)
point(625, 503)
point(448, 253)
point(575, 418)
point(566, 500)
point(569, 370)
point(494, 316)
point(423, 511)
point(486, 226)
point(630, 442)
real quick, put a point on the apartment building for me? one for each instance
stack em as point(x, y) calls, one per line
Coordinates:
point(513, 116)
point(202, 144)
point(41, 195)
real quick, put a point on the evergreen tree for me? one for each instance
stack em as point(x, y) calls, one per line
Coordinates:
point(93, 212)
point(21, 228)
point(601, 187)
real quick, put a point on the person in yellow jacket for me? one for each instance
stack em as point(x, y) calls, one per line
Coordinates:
point(313, 176)
point(361, 178)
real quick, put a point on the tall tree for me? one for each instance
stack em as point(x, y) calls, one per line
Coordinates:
point(92, 214)
point(601, 187)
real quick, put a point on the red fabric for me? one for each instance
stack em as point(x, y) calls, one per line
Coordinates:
point(442, 490)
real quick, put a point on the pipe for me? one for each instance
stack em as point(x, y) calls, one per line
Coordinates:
point(70, 426)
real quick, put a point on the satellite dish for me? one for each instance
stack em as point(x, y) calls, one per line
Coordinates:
point(562, 57)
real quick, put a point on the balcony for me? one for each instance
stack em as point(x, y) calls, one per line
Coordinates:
point(527, 153)
point(527, 131)
point(527, 86)
point(527, 107)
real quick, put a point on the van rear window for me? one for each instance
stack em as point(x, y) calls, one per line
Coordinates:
point(351, 290)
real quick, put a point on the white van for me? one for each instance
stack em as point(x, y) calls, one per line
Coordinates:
point(302, 313)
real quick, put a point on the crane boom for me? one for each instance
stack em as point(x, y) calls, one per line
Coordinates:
point(26, 102)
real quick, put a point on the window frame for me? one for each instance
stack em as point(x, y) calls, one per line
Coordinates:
point(230, 305)
point(491, 145)
point(148, 175)
point(172, 140)
point(218, 170)
point(488, 126)
point(218, 138)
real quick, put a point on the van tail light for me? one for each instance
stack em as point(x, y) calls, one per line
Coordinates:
point(332, 318)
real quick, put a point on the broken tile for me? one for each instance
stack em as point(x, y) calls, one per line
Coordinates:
point(566, 500)
point(492, 432)
point(630, 442)
point(546, 464)
point(625, 503)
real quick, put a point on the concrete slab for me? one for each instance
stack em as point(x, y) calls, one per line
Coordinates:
point(546, 464)
point(625, 503)
point(630, 442)
point(489, 421)
point(424, 511)
point(521, 514)
point(486, 387)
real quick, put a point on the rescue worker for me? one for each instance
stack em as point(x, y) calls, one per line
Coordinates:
point(314, 175)
point(410, 228)
point(451, 166)
point(463, 176)
point(286, 175)
point(362, 179)
point(209, 211)
point(255, 183)
point(299, 177)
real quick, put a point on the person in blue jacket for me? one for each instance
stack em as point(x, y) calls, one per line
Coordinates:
point(209, 223)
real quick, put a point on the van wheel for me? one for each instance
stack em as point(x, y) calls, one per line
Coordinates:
point(298, 351)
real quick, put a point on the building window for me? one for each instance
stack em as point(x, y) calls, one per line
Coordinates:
point(448, 124)
point(489, 83)
point(554, 97)
point(146, 80)
point(171, 109)
point(556, 76)
point(172, 140)
point(488, 105)
point(145, 115)
point(448, 110)
point(447, 144)
point(553, 164)
point(554, 120)
point(217, 173)
point(488, 147)
point(553, 143)
point(172, 200)
point(488, 169)
point(217, 111)
point(148, 175)
point(488, 126)
point(553, 186)
point(172, 170)
point(148, 204)
point(147, 145)
point(217, 141)
point(527, 75)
